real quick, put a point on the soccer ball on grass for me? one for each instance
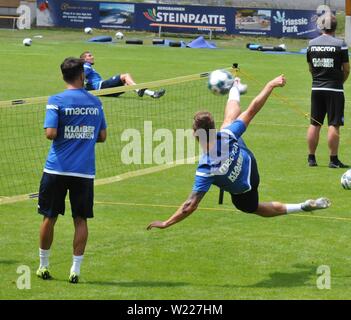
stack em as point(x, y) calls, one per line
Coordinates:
point(88, 30)
point(119, 35)
point(220, 82)
point(27, 42)
point(346, 180)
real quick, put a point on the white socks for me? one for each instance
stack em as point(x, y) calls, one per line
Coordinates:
point(234, 94)
point(44, 261)
point(44, 258)
point(77, 260)
point(149, 92)
point(291, 208)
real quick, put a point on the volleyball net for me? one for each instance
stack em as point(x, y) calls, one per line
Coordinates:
point(144, 134)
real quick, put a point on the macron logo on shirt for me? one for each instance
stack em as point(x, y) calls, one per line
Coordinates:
point(323, 49)
point(82, 111)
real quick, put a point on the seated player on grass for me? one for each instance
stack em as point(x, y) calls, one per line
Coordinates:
point(229, 164)
point(93, 80)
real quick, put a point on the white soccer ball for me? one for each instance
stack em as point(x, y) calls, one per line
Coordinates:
point(346, 180)
point(119, 35)
point(220, 81)
point(88, 30)
point(27, 42)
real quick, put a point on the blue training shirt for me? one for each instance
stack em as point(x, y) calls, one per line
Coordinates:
point(92, 78)
point(79, 118)
point(228, 164)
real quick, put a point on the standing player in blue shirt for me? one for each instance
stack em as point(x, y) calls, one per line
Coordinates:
point(75, 122)
point(230, 165)
point(93, 80)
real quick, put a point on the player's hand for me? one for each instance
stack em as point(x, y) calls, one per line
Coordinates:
point(156, 224)
point(278, 81)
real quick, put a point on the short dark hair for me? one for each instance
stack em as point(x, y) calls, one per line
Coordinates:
point(82, 56)
point(71, 69)
point(203, 120)
point(330, 23)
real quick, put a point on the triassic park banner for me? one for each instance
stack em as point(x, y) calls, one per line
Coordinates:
point(174, 18)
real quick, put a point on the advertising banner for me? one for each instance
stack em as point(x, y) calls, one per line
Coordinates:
point(276, 23)
point(176, 18)
point(189, 17)
point(80, 14)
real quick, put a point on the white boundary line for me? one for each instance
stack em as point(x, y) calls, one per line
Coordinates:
point(232, 210)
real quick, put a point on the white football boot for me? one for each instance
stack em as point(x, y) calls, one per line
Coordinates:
point(240, 86)
point(320, 203)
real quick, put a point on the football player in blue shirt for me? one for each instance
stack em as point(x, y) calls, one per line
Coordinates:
point(93, 80)
point(229, 164)
point(74, 121)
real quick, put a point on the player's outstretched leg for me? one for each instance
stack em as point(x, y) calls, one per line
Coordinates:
point(128, 80)
point(158, 94)
point(232, 109)
point(141, 92)
point(273, 209)
point(153, 94)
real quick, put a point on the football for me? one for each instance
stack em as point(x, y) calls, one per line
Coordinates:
point(27, 42)
point(88, 30)
point(346, 180)
point(119, 35)
point(220, 82)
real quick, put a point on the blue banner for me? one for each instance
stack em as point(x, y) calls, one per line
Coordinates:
point(176, 18)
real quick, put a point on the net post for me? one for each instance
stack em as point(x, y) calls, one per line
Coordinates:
point(221, 196)
point(235, 67)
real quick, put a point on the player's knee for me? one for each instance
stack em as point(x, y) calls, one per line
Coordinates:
point(124, 77)
point(248, 208)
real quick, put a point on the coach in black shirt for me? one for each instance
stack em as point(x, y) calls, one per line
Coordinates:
point(328, 61)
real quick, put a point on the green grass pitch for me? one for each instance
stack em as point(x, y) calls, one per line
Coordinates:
point(218, 252)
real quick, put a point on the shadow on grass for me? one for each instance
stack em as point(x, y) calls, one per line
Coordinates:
point(131, 284)
point(300, 278)
point(8, 262)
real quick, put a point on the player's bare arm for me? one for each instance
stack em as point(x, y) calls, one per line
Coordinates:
point(185, 210)
point(258, 102)
point(102, 136)
point(51, 133)
point(346, 70)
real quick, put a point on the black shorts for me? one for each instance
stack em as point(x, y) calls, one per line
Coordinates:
point(53, 191)
point(248, 201)
point(112, 82)
point(329, 103)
